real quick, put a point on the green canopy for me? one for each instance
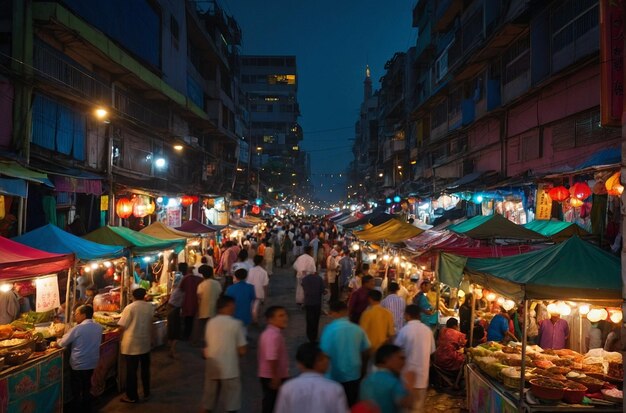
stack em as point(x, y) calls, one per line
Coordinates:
point(137, 242)
point(571, 270)
point(494, 226)
point(558, 231)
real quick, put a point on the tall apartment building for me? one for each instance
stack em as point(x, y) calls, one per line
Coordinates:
point(491, 88)
point(165, 74)
point(271, 85)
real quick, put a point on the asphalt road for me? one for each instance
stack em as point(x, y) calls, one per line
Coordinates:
point(177, 384)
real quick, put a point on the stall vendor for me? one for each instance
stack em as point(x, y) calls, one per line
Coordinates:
point(499, 327)
point(9, 306)
point(553, 332)
point(428, 315)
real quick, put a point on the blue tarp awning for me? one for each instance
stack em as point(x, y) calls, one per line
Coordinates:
point(51, 238)
point(609, 156)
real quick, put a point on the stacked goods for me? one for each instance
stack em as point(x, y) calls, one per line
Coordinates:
point(553, 374)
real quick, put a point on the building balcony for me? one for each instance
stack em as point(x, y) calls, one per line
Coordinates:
point(393, 147)
point(445, 13)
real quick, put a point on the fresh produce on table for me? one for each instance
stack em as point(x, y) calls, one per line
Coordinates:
point(6, 331)
point(547, 389)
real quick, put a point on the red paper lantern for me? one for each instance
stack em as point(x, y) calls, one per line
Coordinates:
point(558, 193)
point(124, 208)
point(580, 190)
point(256, 209)
point(186, 200)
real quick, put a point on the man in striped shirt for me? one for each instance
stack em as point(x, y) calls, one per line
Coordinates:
point(396, 304)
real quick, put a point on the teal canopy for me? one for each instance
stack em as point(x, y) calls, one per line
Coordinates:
point(53, 239)
point(571, 270)
point(137, 242)
point(556, 230)
point(494, 226)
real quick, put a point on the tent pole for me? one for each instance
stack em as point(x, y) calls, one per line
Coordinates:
point(473, 315)
point(524, 341)
point(438, 289)
point(71, 272)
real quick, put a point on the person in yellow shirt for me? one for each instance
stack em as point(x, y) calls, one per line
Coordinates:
point(377, 322)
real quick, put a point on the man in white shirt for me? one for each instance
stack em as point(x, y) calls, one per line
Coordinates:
point(418, 343)
point(332, 266)
point(311, 392)
point(257, 276)
point(304, 265)
point(136, 326)
point(208, 291)
point(225, 343)
point(85, 339)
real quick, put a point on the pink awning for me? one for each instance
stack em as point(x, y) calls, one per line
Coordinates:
point(20, 261)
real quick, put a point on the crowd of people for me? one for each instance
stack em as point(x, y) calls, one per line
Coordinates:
point(374, 353)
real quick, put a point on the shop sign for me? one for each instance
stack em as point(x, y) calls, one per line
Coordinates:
point(104, 203)
point(47, 296)
point(544, 203)
point(611, 62)
point(174, 217)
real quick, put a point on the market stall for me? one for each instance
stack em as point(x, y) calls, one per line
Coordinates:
point(495, 226)
point(193, 242)
point(94, 261)
point(557, 231)
point(586, 282)
point(148, 249)
point(31, 373)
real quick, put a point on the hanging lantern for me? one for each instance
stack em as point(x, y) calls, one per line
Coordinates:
point(613, 185)
point(558, 193)
point(186, 200)
point(139, 208)
point(580, 190)
point(256, 209)
point(575, 202)
point(150, 208)
point(124, 208)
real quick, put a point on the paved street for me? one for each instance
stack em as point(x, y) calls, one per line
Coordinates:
point(178, 383)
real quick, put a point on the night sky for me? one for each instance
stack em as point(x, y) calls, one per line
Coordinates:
point(332, 42)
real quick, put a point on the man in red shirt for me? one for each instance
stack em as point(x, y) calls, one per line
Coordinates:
point(272, 356)
point(359, 299)
point(189, 286)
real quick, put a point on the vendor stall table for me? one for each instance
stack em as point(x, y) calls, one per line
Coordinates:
point(34, 386)
point(485, 395)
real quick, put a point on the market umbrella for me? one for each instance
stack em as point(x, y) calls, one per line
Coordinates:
point(162, 231)
point(21, 261)
point(571, 270)
point(391, 231)
point(53, 239)
point(557, 231)
point(137, 242)
point(494, 226)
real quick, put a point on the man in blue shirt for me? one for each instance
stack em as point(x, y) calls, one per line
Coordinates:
point(244, 296)
point(85, 340)
point(499, 327)
point(346, 344)
point(384, 387)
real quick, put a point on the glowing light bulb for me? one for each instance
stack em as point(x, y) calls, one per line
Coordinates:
point(584, 309)
point(616, 316)
point(490, 297)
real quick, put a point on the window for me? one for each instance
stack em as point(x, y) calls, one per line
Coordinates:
point(271, 99)
point(439, 114)
point(281, 79)
point(572, 20)
point(58, 127)
point(441, 65)
point(580, 130)
point(473, 29)
point(269, 139)
point(454, 104)
point(516, 60)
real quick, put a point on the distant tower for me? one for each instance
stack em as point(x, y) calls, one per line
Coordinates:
point(367, 84)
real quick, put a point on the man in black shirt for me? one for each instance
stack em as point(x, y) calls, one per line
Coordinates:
point(313, 287)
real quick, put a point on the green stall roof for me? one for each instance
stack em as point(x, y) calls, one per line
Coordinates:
point(556, 230)
point(494, 226)
point(571, 270)
point(137, 242)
